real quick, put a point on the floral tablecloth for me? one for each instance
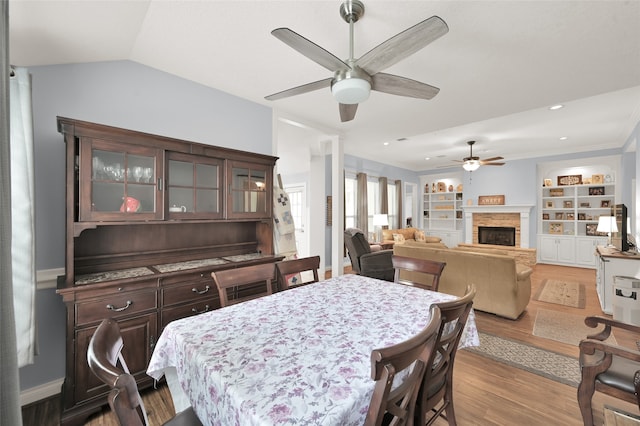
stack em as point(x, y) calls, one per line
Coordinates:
point(297, 357)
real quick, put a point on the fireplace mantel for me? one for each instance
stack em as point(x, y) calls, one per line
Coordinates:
point(523, 210)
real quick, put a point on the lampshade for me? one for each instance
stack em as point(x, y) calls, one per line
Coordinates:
point(607, 224)
point(351, 90)
point(380, 220)
point(471, 165)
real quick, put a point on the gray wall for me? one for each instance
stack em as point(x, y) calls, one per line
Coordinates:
point(122, 94)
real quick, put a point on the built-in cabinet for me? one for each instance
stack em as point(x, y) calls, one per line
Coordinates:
point(148, 219)
point(442, 213)
point(571, 199)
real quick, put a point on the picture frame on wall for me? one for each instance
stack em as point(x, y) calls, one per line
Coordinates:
point(597, 179)
point(549, 204)
point(605, 203)
point(545, 216)
point(559, 215)
point(585, 205)
point(555, 228)
point(582, 216)
point(570, 216)
point(568, 204)
point(548, 182)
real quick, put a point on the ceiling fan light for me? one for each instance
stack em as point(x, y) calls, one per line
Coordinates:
point(351, 90)
point(471, 165)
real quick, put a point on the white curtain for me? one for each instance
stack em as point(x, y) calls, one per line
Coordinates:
point(23, 214)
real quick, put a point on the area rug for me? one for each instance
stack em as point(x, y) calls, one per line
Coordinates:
point(563, 327)
point(562, 292)
point(552, 365)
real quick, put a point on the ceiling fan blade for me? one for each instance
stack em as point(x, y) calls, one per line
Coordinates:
point(347, 112)
point(309, 87)
point(402, 45)
point(309, 49)
point(396, 85)
point(491, 164)
point(491, 159)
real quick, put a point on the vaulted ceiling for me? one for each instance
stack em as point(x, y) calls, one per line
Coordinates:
point(499, 68)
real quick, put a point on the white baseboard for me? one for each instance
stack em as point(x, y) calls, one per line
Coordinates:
point(43, 391)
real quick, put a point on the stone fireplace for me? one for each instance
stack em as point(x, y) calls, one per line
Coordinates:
point(503, 216)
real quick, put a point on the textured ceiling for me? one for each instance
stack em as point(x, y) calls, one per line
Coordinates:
point(499, 68)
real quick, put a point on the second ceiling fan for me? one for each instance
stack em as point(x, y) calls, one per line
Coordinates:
point(353, 79)
point(472, 163)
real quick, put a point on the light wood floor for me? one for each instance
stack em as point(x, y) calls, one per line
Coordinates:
point(486, 392)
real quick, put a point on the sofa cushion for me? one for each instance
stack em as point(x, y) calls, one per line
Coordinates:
point(398, 238)
point(420, 237)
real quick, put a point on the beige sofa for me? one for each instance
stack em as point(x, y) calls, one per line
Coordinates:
point(409, 235)
point(503, 287)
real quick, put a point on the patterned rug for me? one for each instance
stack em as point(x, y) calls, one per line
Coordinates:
point(562, 292)
point(563, 327)
point(554, 366)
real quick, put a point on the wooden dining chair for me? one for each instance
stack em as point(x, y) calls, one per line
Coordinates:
point(397, 406)
point(239, 278)
point(435, 398)
point(104, 356)
point(607, 368)
point(286, 268)
point(421, 273)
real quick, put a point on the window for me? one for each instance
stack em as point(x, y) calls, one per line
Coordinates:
point(373, 201)
point(350, 194)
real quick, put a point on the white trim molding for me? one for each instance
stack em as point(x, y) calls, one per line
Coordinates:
point(48, 278)
point(37, 393)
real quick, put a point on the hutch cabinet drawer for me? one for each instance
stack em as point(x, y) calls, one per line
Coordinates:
point(115, 306)
point(193, 290)
point(194, 308)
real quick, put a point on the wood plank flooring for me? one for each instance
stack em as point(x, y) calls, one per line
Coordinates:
point(486, 392)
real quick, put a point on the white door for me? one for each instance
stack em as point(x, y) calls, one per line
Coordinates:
point(297, 196)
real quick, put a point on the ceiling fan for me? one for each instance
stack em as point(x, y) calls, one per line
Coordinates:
point(353, 79)
point(472, 163)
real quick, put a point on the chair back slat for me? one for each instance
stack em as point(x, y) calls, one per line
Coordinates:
point(286, 268)
point(242, 277)
point(397, 405)
point(423, 268)
point(436, 393)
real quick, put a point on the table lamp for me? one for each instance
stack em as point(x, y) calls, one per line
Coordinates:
point(607, 224)
point(380, 220)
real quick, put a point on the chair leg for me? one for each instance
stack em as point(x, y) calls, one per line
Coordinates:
point(586, 389)
point(448, 400)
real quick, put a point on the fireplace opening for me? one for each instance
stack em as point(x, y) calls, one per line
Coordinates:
point(497, 235)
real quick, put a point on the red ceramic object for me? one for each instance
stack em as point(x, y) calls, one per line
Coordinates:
point(130, 205)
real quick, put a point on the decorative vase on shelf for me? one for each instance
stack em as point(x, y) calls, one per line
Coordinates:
point(450, 188)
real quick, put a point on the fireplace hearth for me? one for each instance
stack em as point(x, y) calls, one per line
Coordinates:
point(497, 235)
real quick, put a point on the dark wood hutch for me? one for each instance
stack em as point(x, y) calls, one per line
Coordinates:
point(148, 219)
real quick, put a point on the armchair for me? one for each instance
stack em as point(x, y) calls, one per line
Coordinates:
point(375, 264)
point(607, 368)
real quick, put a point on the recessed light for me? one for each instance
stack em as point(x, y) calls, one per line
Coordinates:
point(385, 143)
point(563, 138)
point(555, 107)
point(427, 158)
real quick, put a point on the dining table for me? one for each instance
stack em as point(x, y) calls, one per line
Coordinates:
point(297, 357)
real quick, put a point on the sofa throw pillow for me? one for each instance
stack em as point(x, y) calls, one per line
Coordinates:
point(398, 238)
point(420, 237)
